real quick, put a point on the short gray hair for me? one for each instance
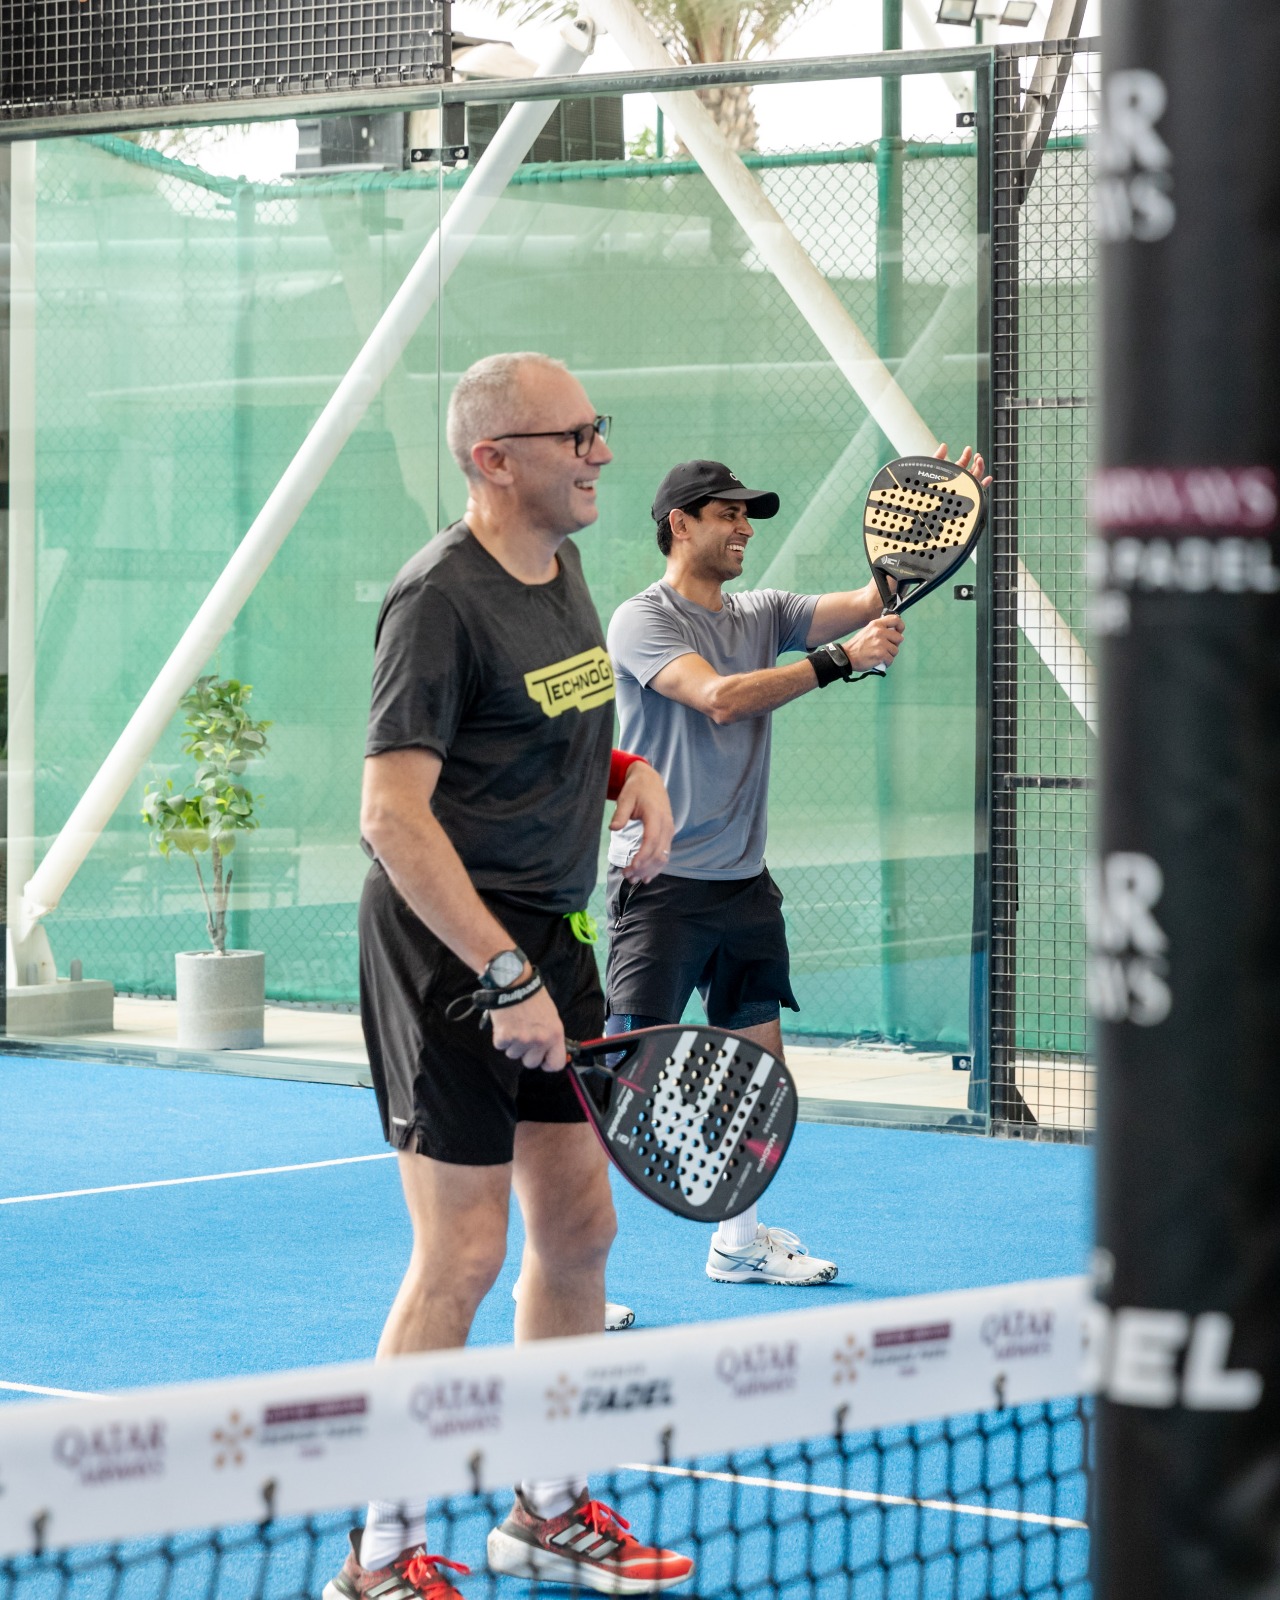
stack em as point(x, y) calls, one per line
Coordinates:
point(489, 399)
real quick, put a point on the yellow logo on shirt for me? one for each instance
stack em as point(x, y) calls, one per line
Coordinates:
point(578, 684)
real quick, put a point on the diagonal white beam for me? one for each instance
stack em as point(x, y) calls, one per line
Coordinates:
point(836, 330)
point(923, 20)
point(303, 476)
point(838, 499)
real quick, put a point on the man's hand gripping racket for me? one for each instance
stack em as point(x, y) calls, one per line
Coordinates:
point(923, 517)
point(695, 1118)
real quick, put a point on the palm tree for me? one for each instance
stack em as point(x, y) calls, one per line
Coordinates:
point(695, 31)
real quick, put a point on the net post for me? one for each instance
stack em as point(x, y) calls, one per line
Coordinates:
point(1185, 914)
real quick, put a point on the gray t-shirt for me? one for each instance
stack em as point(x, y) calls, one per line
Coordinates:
point(717, 776)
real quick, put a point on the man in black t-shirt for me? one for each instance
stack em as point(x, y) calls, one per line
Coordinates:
point(487, 769)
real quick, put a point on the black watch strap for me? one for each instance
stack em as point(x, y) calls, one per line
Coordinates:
point(830, 664)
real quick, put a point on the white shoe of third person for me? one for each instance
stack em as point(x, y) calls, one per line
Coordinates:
point(775, 1255)
point(616, 1317)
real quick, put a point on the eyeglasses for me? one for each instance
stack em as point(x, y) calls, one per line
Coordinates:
point(583, 437)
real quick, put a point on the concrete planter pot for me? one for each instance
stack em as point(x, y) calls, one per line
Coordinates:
point(221, 999)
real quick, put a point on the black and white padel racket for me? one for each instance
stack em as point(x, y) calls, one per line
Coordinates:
point(922, 519)
point(696, 1118)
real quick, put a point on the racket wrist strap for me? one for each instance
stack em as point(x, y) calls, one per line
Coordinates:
point(486, 1000)
point(830, 664)
point(620, 761)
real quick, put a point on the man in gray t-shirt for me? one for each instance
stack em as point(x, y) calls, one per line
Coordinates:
point(697, 678)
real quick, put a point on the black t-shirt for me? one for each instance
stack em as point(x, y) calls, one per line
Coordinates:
point(511, 684)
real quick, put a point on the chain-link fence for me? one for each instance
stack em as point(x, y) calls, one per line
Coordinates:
point(61, 60)
point(189, 329)
point(1042, 697)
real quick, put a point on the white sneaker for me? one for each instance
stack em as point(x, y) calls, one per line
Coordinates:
point(616, 1317)
point(775, 1256)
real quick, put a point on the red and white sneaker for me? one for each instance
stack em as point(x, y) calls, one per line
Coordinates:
point(588, 1545)
point(413, 1575)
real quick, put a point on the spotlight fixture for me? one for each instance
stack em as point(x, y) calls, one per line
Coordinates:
point(1018, 13)
point(959, 12)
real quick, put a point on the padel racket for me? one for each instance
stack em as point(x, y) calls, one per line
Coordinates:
point(695, 1118)
point(922, 520)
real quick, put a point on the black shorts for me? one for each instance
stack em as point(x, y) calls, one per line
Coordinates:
point(725, 938)
point(442, 1088)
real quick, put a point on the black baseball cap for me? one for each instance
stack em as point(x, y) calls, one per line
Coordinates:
point(709, 480)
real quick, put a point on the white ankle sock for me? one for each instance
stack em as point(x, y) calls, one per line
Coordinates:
point(552, 1497)
point(390, 1528)
point(735, 1232)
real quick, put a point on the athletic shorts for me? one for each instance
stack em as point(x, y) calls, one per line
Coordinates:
point(442, 1088)
point(727, 938)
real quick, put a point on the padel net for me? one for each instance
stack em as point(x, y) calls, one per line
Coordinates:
point(940, 1442)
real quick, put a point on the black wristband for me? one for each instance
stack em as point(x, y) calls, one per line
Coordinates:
point(496, 999)
point(830, 664)
point(486, 1000)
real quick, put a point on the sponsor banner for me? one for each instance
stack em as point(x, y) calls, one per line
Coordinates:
point(162, 1460)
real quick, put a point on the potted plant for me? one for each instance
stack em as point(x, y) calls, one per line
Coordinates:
point(221, 994)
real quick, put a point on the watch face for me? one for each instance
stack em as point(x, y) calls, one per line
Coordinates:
point(503, 970)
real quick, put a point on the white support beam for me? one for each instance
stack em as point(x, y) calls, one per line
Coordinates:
point(835, 509)
point(303, 476)
point(924, 24)
point(1048, 81)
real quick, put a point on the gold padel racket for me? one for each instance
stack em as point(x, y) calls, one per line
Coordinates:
point(922, 519)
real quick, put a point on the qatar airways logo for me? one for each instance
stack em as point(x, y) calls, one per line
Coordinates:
point(1128, 969)
point(115, 1452)
point(1134, 165)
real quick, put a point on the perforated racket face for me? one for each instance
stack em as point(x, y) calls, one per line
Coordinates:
point(696, 1118)
point(923, 517)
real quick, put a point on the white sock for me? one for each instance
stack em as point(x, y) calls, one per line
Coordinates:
point(390, 1528)
point(552, 1497)
point(735, 1232)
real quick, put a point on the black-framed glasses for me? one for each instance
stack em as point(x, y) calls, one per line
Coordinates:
point(583, 437)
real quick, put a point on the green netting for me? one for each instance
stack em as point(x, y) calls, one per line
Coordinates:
point(189, 330)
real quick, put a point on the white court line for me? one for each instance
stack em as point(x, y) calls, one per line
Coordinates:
point(62, 1394)
point(206, 1177)
point(867, 1494)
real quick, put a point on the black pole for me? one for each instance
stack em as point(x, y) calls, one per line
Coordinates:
point(1185, 919)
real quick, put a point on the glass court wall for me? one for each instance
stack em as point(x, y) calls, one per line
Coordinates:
point(187, 329)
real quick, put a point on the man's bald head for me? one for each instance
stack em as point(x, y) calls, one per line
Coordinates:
point(494, 396)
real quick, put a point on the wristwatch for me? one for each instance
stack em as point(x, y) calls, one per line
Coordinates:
point(504, 969)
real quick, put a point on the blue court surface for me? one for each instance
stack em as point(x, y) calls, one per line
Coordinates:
point(189, 1258)
point(157, 1281)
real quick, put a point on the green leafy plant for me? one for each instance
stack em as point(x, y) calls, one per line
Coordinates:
point(206, 816)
